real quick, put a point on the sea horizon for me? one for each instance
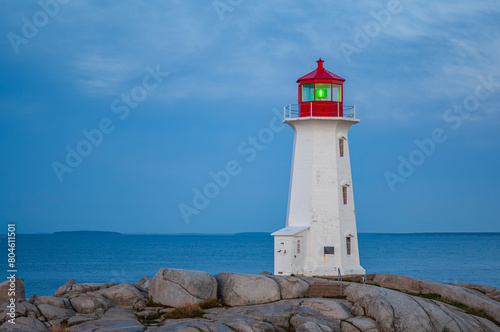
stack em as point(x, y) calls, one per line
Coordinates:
point(241, 233)
point(47, 261)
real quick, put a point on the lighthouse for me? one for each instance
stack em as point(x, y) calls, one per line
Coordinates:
point(320, 237)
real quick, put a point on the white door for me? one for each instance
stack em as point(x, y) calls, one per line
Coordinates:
point(284, 256)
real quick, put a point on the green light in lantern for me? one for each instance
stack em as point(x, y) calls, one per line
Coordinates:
point(320, 93)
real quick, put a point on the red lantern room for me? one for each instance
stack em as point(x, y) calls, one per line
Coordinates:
point(320, 93)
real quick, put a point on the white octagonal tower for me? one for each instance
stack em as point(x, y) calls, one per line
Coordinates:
point(320, 237)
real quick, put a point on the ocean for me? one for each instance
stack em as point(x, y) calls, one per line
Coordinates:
point(46, 262)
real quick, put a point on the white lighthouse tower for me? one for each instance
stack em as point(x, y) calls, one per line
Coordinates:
point(320, 237)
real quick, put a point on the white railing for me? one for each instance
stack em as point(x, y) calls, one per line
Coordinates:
point(291, 111)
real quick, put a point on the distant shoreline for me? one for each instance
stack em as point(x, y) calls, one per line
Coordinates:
point(86, 233)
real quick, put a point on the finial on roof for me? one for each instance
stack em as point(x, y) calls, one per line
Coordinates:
point(320, 63)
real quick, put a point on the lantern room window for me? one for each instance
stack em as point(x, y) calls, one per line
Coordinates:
point(323, 92)
point(320, 92)
point(337, 92)
point(308, 92)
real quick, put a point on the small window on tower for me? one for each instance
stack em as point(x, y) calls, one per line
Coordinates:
point(344, 194)
point(341, 147)
point(348, 245)
point(298, 246)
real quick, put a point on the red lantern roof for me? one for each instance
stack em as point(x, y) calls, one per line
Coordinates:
point(321, 74)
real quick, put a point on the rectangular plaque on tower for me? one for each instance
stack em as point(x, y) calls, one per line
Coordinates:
point(329, 250)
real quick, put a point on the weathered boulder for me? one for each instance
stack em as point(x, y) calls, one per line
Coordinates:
point(305, 315)
point(313, 327)
point(277, 313)
point(89, 297)
point(291, 287)
point(195, 325)
point(470, 298)
point(80, 319)
point(50, 312)
point(246, 289)
point(488, 290)
point(357, 309)
point(144, 283)
point(23, 308)
point(395, 311)
point(251, 325)
point(55, 301)
point(356, 324)
point(71, 288)
point(284, 314)
point(178, 288)
point(330, 308)
point(122, 294)
point(24, 324)
point(64, 288)
point(89, 303)
point(6, 288)
point(114, 320)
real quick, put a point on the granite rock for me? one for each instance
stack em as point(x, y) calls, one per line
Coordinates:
point(179, 288)
point(5, 287)
point(246, 289)
point(24, 324)
point(291, 287)
point(468, 297)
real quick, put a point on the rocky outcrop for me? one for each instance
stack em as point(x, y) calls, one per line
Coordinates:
point(65, 288)
point(73, 304)
point(55, 301)
point(96, 297)
point(123, 294)
point(257, 303)
point(194, 326)
point(24, 324)
point(488, 290)
point(177, 288)
point(245, 289)
point(468, 297)
point(396, 311)
point(356, 324)
point(72, 288)
point(113, 320)
point(7, 291)
point(143, 283)
point(50, 312)
point(328, 308)
point(90, 303)
point(291, 287)
point(298, 314)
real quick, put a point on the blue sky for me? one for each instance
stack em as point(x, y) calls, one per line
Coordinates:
point(172, 92)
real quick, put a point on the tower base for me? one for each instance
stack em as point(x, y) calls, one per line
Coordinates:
point(333, 272)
